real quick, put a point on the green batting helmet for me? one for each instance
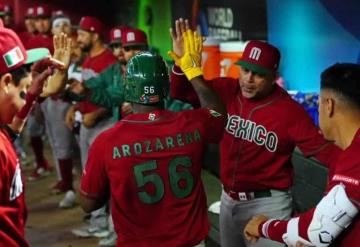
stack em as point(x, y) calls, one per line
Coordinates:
point(146, 79)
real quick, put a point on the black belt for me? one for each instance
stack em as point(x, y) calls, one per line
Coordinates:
point(246, 196)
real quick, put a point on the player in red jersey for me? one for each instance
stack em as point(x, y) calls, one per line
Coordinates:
point(264, 126)
point(29, 24)
point(334, 220)
point(150, 161)
point(16, 103)
point(7, 15)
point(95, 119)
point(42, 22)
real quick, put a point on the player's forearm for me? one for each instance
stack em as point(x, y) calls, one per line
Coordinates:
point(207, 96)
point(55, 84)
point(181, 89)
point(317, 227)
point(20, 118)
point(273, 229)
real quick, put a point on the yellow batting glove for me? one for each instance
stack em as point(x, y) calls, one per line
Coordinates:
point(190, 62)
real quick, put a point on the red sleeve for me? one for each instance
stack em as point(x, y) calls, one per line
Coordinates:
point(350, 179)
point(181, 88)
point(310, 141)
point(275, 229)
point(213, 122)
point(94, 181)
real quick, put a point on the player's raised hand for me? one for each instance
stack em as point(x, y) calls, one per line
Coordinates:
point(251, 231)
point(181, 26)
point(40, 72)
point(62, 49)
point(190, 62)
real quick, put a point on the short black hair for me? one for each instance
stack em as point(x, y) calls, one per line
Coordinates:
point(19, 73)
point(343, 79)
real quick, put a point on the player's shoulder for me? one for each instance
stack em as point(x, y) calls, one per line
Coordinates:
point(226, 85)
point(200, 113)
point(108, 55)
point(110, 134)
point(287, 104)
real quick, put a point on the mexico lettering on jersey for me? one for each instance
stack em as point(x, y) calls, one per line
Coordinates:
point(251, 132)
point(260, 136)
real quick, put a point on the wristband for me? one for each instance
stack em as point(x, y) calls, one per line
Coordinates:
point(30, 101)
point(193, 72)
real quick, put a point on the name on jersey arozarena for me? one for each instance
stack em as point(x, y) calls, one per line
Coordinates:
point(156, 145)
point(252, 132)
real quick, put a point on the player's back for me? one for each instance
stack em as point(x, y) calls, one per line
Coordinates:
point(154, 168)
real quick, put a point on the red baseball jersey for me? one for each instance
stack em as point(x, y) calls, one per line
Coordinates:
point(12, 204)
point(41, 41)
point(260, 135)
point(91, 67)
point(151, 165)
point(347, 172)
point(25, 37)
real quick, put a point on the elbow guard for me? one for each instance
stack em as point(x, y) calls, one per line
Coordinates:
point(332, 215)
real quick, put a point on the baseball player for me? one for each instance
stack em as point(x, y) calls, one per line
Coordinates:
point(153, 175)
point(42, 22)
point(29, 25)
point(41, 18)
point(16, 103)
point(95, 119)
point(131, 41)
point(7, 15)
point(107, 89)
point(334, 220)
point(60, 137)
point(264, 126)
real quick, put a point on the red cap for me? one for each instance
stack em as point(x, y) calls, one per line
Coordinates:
point(260, 57)
point(91, 24)
point(58, 12)
point(30, 12)
point(115, 34)
point(42, 11)
point(133, 36)
point(13, 53)
point(5, 9)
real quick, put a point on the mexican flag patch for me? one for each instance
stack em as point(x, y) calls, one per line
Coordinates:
point(13, 57)
point(214, 113)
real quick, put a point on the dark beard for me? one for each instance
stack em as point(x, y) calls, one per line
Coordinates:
point(86, 48)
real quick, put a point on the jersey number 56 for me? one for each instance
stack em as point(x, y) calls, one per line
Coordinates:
point(146, 173)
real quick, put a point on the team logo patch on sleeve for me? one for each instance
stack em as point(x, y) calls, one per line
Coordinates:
point(214, 113)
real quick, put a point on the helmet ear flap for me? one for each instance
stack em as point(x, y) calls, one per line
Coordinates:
point(146, 79)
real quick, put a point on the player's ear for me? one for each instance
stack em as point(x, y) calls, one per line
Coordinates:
point(5, 80)
point(95, 37)
point(329, 107)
